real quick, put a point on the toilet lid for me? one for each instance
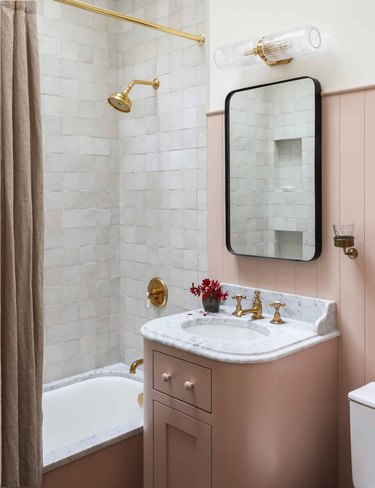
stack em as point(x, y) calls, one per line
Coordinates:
point(364, 395)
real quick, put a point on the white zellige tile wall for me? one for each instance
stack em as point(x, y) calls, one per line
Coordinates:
point(125, 194)
point(81, 160)
point(163, 171)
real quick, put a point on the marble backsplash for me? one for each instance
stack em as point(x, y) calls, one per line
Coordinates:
point(321, 313)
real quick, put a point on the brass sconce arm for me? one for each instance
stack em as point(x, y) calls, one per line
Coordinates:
point(260, 51)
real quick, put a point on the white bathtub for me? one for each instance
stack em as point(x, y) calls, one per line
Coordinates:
point(88, 413)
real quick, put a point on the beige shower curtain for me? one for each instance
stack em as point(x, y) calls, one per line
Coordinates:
point(21, 244)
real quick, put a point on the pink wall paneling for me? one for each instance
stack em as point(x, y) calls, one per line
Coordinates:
point(369, 236)
point(348, 162)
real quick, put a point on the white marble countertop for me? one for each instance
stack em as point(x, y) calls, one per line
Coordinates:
point(272, 342)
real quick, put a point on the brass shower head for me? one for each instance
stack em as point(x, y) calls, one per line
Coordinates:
point(120, 100)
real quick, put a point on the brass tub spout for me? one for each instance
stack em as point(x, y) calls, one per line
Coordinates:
point(134, 366)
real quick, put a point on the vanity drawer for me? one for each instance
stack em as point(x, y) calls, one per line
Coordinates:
point(183, 380)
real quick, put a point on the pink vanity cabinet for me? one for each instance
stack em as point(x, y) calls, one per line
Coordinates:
point(224, 425)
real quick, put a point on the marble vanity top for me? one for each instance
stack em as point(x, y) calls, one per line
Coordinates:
point(308, 321)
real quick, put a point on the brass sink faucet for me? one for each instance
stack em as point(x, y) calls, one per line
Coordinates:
point(256, 309)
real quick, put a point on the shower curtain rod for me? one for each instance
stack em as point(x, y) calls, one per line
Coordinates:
point(119, 15)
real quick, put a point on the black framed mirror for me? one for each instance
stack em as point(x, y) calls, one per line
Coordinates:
point(273, 170)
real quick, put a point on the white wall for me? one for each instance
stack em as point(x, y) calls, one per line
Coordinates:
point(346, 58)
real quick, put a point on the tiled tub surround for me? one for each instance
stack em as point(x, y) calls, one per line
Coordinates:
point(81, 189)
point(125, 194)
point(89, 411)
point(308, 322)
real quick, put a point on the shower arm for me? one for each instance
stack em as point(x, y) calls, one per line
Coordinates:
point(119, 15)
point(155, 83)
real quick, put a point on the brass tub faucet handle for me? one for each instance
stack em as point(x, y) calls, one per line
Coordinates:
point(238, 311)
point(277, 317)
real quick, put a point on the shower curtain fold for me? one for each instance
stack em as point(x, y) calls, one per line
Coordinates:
point(21, 245)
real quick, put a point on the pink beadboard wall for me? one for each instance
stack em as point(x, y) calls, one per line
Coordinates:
point(348, 197)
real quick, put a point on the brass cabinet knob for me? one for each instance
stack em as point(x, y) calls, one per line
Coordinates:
point(277, 317)
point(188, 385)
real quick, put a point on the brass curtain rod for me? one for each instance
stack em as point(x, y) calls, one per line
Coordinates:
point(119, 15)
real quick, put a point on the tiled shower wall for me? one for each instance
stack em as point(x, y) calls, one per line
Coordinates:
point(163, 170)
point(125, 194)
point(81, 179)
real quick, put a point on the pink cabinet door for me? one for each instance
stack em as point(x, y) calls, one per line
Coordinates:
point(182, 450)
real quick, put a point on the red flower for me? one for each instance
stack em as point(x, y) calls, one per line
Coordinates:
point(209, 288)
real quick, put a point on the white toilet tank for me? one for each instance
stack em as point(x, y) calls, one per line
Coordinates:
point(362, 435)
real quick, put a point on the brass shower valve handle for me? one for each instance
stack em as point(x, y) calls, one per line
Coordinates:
point(157, 292)
point(238, 311)
point(277, 317)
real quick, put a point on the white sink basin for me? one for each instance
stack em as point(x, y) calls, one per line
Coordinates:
point(229, 329)
point(224, 337)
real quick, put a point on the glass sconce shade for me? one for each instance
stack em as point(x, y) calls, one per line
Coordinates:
point(239, 54)
point(279, 47)
point(273, 49)
point(343, 231)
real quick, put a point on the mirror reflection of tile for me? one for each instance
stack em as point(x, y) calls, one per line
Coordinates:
point(272, 191)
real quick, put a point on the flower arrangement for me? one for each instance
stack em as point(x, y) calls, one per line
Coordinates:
point(209, 289)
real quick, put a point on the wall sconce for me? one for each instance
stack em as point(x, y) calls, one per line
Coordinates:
point(344, 239)
point(273, 49)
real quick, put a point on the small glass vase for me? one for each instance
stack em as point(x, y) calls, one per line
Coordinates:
point(211, 304)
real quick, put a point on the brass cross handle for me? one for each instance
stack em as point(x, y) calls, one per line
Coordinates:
point(277, 317)
point(157, 292)
point(238, 311)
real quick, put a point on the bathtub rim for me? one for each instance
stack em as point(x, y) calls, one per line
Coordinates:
point(118, 369)
point(76, 450)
